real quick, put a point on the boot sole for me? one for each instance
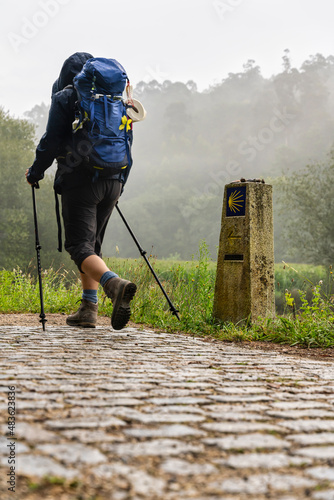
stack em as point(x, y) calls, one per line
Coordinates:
point(82, 325)
point(121, 309)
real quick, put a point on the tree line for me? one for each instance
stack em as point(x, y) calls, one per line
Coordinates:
point(190, 145)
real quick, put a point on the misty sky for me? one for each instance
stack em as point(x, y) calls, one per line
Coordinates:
point(179, 40)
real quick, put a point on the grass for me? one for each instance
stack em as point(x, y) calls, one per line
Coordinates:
point(309, 319)
point(304, 299)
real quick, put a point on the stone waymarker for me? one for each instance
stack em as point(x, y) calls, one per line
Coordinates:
point(245, 269)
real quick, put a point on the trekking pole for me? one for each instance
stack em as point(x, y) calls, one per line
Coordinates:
point(43, 320)
point(173, 310)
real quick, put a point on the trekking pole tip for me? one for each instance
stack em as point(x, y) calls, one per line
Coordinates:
point(175, 312)
point(43, 320)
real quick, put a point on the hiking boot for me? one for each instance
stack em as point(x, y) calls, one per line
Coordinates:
point(121, 292)
point(86, 315)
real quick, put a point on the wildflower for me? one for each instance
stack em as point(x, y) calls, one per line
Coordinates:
point(320, 282)
point(125, 122)
point(289, 300)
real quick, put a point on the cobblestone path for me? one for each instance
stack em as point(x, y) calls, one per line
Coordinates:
point(145, 415)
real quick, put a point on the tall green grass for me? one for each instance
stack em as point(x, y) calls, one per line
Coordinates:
point(304, 298)
point(20, 291)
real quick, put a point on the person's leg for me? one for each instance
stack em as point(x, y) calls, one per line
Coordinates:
point(86, 213)
point(89, 288)
point(95, 272)
point(93, 268)
point(79, 216)
point(86, 315)
point(88, 283)
point(120, 291)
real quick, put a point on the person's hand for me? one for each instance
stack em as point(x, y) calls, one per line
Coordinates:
point(35, 184)
point(27, 173)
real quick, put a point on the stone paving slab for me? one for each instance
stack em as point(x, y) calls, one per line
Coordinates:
point(145, 415)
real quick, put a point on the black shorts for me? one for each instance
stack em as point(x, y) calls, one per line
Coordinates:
point(86, 211)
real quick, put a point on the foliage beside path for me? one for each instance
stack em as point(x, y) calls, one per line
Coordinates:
point(304, 299)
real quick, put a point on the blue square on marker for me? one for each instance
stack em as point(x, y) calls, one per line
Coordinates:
point(236, 201)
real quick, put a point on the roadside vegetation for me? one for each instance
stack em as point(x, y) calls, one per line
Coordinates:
point(304, 299)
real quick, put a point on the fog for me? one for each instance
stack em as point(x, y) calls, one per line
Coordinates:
point(192, 143)
point(232, 88)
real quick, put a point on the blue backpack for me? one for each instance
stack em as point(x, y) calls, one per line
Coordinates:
point(101, 131)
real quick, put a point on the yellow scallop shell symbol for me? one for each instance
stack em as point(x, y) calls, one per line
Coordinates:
point(236, 201)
